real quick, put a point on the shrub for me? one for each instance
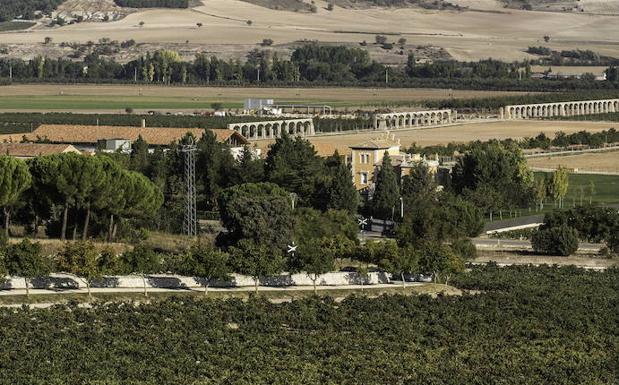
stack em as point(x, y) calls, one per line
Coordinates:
point(561, 240)
point(380, 39)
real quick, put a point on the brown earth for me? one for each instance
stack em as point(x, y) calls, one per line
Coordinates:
point(460, 133)
point(597, 162)
point(467, 35)
point(362, 95)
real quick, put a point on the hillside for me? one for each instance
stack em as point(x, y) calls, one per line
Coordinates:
point(234, 27)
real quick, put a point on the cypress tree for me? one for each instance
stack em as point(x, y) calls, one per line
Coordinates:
point(387, 192)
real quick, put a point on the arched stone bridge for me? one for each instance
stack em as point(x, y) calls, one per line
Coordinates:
point(548, 110)
point(274, 128)
point(398, 120)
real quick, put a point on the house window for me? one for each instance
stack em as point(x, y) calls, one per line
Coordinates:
point(365, 158)
point(364, 177)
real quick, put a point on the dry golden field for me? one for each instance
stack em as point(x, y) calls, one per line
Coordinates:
point(460, 133)
point(600, 162)
point(469, 35)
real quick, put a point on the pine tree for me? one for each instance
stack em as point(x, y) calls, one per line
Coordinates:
point(15, 178)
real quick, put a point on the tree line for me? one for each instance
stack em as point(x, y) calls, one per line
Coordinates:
point(28, 122)
point(561, 140)
point(65, 191)
point(26, 9)
point(309, 64)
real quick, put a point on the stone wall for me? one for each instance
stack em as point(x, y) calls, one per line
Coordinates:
point(168, 281)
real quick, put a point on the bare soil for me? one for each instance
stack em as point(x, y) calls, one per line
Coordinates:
point(466, 35)
point(340, 94)
point(460, 133)
point(596, 162)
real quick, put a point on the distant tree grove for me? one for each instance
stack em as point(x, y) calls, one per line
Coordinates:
point(310, 64)
point(26, 9)
point(64, 191)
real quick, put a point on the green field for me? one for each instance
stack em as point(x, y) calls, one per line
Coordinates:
point(106, 102)
point(15, 25)
point(605, 189)
point(117, 102)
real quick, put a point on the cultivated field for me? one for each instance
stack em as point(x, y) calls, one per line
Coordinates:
point(460, 133)
point(53, 97)
point(598, 162)
point(468, 35)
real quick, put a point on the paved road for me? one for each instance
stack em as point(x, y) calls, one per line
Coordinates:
point(244, 289)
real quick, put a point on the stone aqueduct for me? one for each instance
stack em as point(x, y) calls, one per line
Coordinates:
point(401, 120)
point(398, 120)
point(548, 110)
point(274, 128)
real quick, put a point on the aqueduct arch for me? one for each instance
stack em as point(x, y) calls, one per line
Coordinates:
point(274, 128)
point(549, 110)
point(413, 119)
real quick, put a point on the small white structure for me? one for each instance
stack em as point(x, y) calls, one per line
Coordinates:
point(257, 104)
point(114, 145)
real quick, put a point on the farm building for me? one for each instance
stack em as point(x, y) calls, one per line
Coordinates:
point(31, 150)
point(367, 157)
point(119, 138)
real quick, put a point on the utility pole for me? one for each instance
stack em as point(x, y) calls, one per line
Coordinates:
point(11, 71)
point(190, 223)
point(387, 75)
point(135, 75)
point(258, 74)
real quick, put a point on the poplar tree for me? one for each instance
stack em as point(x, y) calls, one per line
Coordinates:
point(560, 184)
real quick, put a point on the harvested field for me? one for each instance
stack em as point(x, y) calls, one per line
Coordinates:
point(468, 35)
point(461, 133)
point(592, 162)
point(56, 97)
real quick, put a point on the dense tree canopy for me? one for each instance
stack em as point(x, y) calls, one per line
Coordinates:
point(257, 212)
point(26, 9)
point(494, 176)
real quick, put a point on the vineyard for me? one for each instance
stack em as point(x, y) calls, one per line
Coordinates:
point(529, 325)
point(11, 123)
